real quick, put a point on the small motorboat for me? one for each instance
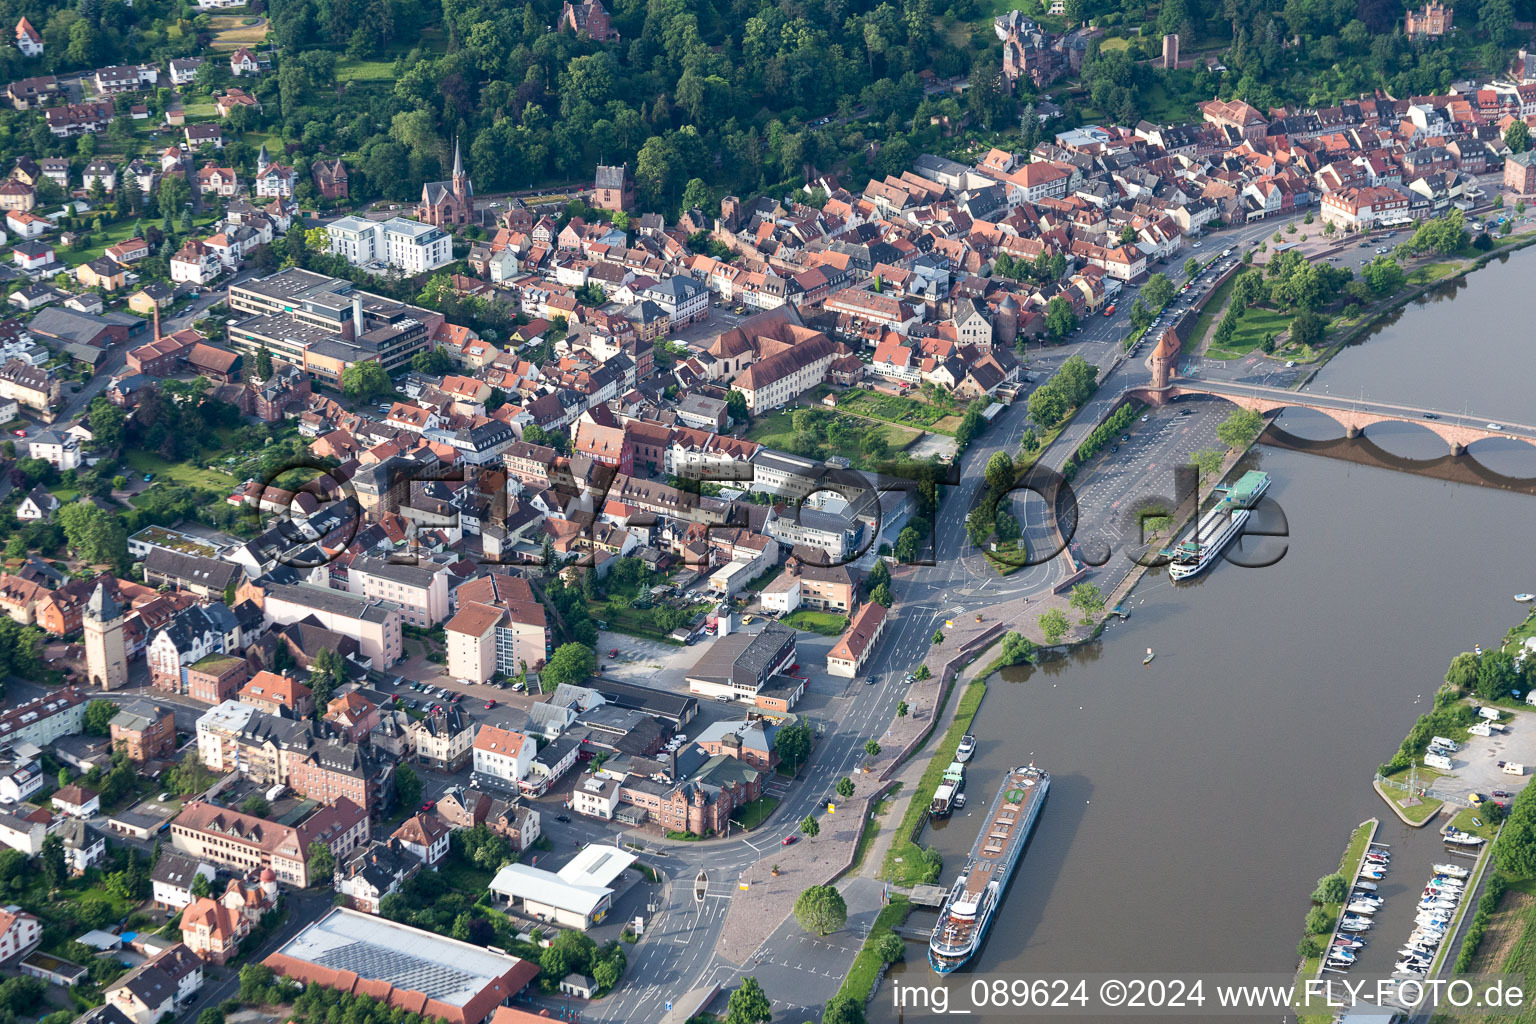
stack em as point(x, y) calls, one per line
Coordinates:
point(1456, 837)
point(1355, 926)
point(1477, 823)
point(959, 801)
point(1525, 598)
point(1366, 897)
point(1361, 907)
point(1148, 659)
point(966, 748)
point(1341, 956)
point(1373, 873)
point(1377, 855)
point(1348, 942)
point(1367, 886)
point(1452, 870)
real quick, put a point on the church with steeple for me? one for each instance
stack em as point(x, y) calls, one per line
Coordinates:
point(448, 204)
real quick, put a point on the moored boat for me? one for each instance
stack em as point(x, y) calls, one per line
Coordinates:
point(966, 748)
point(973, 900)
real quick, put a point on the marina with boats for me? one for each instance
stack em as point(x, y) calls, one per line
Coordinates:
point(973, 900)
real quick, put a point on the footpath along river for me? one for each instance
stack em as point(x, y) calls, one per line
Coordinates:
point(1196, 801)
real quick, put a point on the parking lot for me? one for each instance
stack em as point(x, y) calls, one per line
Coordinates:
point(1477, 762)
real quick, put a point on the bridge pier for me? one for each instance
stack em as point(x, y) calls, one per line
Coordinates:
point(1351, 432)
point(1458, 449)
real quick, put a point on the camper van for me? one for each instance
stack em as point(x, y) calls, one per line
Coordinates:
point(1439, 761)
point(1492, 714)
point(1510, 768)
point(1441, 741)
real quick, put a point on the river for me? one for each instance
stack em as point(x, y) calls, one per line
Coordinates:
point(1196, 801)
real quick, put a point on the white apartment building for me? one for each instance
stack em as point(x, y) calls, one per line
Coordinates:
point(421, 591)
point(218, 733)
point(407, 245)
point(502, 754)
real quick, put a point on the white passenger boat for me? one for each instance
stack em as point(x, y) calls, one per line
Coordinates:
point(1451, 870)
point(966, 748)
point(1456, 837)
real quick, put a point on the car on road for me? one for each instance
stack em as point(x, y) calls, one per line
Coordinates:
point(1186, 412)
point(1125, 437)
point(519, 687)
point(19, 433)
point(1146, 419)
point(789, 840)
point(1495, 426)
point(1290, 363)
point(1113, 449)
point(489, 704)
point(1431, 416)
point(613, 652)
point(1501, 794)
point(564, 819)
point(426, 808)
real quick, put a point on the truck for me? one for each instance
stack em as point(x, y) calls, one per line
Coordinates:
point(1439, 761)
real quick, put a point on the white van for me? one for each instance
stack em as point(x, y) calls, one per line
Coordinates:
point(1492, 714)
point(1441, 741)
point(1480, 729)
point(1439, 761)
point(1510, 768)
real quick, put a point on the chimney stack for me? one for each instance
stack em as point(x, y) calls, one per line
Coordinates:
point(157, 321)
point(357, 316)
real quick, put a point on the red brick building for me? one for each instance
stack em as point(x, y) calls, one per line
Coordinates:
point(613, 189)
point(1520, 172)
point(334, 771)
point(588, 18)
point(145, 731)
point(216, 678)
point(330, 177)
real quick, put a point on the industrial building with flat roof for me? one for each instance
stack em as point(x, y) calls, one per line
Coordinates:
point(402, 966)
point(579, 895)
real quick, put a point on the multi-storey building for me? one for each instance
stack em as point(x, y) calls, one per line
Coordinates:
point(247, 844)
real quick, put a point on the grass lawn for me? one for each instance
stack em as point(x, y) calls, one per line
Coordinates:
point(825, 623)
point(1421, 811)
point(203, 108)
point(760, 584)
point(635, 621)
point(905, 411)
point(755, 813)
point(178, 472)
point(866, 966)
point(64, 494)
point(349, 70)
point(463, 876)
point(904, 863)
point(1463, 821)
point(776, 429)
point(1519, 634)
point(230, 31)
point(1256, 323)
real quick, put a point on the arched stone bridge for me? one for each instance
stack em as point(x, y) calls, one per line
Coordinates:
point(1455, 429)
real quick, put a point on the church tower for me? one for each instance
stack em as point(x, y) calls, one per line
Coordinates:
point(262, 161)
point(462, 189)
point(106, 655)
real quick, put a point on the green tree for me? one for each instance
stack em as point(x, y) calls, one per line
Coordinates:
point(845, 787)
point(51, 859)
point(108, 422)
point(846, 1009)
point(1054, 625)
point(322, 864)
point(820, 909)
point(1088, 599)
point(872, 748)
point(407, 786)
point(881, 595)
point(1462, 674)
point(892, 948)
point(793, 743)
point(1191, 268)
point(571, 663)
point(810, 826)
point(1208, 461)
point(435, 363)
point(736, 406)
point(201, 887)
point(1016, 649)
point(94, 534)
point(362, 382)
point(1517, 137)
point(749, 1004)
point(98, 717)
point(1239, 429)
point(1157, 291)
point(1060, 318)
point(999, 471)
point(1496, 675)
point(1330, 889)
point(256, 805)
point(1318, 921)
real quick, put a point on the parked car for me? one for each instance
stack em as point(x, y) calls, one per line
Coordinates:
point(563, 818)
point(426, 808)
point(489, 704)
point(789, 840)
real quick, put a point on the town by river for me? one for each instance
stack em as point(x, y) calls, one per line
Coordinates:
point(1197, 800)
